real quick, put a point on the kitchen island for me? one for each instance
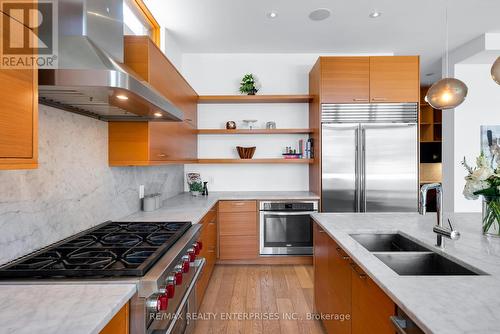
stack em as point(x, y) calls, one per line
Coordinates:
point(437, 304)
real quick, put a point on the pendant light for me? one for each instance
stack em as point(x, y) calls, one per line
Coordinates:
point(447, 93)
point(495, 71)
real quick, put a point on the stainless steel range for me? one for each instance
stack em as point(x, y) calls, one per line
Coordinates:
point(161, 258)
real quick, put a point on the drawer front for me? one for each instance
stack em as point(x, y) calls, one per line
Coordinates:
point(238, 206)
point(237, 247)
point(238, 223)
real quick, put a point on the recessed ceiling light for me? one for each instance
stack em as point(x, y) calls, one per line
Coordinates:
point(375, 14)
point(272, 14)
point(158, 114)
point(320, 14)
point(122, 97)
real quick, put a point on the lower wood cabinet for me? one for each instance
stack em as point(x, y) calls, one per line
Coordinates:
point(120, 322)
point(341, 288)
point(208, 237)
point(238, 232)
point(371, 307)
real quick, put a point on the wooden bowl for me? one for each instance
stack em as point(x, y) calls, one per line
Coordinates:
point(246, 152)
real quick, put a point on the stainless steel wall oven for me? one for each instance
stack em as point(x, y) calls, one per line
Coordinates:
point(286, 228)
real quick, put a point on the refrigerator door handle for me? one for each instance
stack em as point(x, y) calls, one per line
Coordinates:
point(357, 185)
point(363, 169)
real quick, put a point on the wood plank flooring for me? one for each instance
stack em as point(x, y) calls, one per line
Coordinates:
point(259, 299)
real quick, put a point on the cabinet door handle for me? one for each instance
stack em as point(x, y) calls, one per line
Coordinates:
point(360, 100)
point(399, 324)
point(238, 203)
point(162, 155)
point(361, 275)
point(343, 256)
point(321, 231)
point(379, 99)
point(189, 120)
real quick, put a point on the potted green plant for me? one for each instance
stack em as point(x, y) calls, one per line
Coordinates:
point(248, 85)
point(196, 188)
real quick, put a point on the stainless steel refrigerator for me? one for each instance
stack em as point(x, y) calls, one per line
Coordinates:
point(369, 157)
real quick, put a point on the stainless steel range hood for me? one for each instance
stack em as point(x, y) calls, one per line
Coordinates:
point(91, 78)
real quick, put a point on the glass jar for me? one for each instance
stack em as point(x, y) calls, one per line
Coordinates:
point(491, 216)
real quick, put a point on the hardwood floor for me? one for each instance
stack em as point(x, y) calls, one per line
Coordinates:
point(259, 299)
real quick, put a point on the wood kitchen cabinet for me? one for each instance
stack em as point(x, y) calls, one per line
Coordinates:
point(371, 307)
point(345, 79)
point(332, 282)
point(208, 238)
point(18, 114)
point(341, 287)
point(320, 260)
point(150, 143)
point(238, 237)
point(369, 79)
point(394, 79)
point(155, 143)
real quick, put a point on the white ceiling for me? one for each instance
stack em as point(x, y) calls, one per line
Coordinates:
point(406, 26)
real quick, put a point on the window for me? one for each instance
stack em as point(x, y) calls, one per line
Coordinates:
point(138, 20)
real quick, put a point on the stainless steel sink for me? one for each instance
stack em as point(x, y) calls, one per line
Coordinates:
point(393, 242)
point(424, 264)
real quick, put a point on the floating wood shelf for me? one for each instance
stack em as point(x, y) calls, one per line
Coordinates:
point(253, 131)
point(255, 161)
point(223, 99)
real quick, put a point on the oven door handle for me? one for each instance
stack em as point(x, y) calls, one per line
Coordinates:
point(201, 264)
point(291, 213)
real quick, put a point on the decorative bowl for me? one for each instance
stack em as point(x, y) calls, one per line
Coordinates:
point(246, 152)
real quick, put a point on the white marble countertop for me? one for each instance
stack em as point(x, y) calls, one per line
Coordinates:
point(60, 309)
point(186, 207)
point(438, 304)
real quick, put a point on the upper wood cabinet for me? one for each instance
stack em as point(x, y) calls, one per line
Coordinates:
point(149, 62)
point(394, 79)
point(369, 79)
point(18, 115)
point(345, 79)
point(151, 143)
point(155, 143)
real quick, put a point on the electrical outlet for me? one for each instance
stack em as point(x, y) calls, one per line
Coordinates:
point(141, 191)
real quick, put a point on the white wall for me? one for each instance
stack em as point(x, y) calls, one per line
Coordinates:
point(482, 107)
point(212, 74)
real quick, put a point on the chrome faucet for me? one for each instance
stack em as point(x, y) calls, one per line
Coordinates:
point(439, 229)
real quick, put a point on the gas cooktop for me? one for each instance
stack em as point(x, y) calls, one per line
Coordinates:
point(110, 249)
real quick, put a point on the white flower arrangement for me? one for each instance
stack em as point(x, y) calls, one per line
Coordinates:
point(481, 180)
point(484, 179)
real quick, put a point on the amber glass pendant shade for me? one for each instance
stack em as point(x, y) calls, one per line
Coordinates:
point(447, 93)
point(495, 71)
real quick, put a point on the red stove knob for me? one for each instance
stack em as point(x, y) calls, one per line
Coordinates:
point(196, 248)
point(178, 270)
point(185, 263)
point(162, 303)
point(170, 287)
point(192, 254)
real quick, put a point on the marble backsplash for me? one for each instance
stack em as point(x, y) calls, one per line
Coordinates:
point(74, 188)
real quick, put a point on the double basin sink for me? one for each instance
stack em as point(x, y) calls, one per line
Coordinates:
point(407, 257)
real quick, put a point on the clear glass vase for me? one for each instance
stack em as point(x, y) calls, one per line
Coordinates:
point(491, 216)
